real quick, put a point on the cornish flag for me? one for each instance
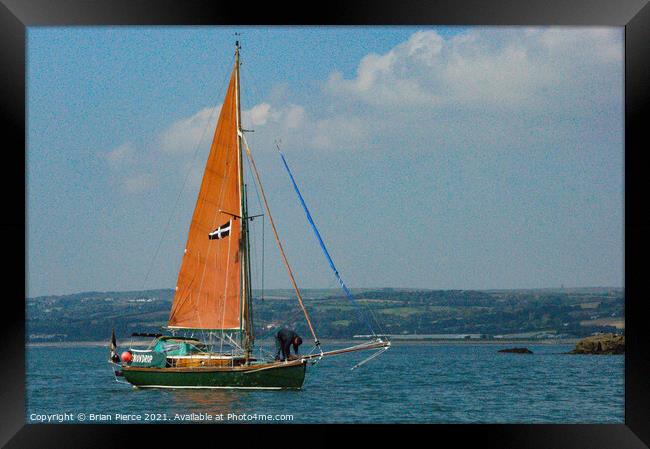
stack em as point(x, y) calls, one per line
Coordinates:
point(113, 357)
point(221, 232)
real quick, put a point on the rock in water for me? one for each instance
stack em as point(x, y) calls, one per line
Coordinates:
point(601, 344)
point(517, 350)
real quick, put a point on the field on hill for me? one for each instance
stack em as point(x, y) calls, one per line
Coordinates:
point(546, 313)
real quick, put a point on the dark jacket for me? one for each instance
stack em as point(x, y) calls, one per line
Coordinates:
point(283, 340)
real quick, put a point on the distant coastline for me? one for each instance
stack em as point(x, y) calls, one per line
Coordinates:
point(403, 314)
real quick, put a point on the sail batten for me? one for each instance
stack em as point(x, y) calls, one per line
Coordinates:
point(208, 290)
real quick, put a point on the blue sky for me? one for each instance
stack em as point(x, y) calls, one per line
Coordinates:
point(433, 157)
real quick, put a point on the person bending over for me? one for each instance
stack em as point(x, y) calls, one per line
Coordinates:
point(284, 339)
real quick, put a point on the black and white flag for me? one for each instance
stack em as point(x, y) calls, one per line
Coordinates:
point(221, 232)
point(113, 357)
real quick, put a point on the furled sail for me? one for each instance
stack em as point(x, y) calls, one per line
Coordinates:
point(209, 288)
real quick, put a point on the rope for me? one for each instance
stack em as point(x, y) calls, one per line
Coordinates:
point(250, 81)
point(292, 317)
point(344, 287)
point(225, 294)
point(187, 175)
point(363, 362)
point(259, 202)
point(199, 207)
point(277, 239)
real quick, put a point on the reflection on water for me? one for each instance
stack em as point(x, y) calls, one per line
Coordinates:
point(208, 401)
point(434, 383)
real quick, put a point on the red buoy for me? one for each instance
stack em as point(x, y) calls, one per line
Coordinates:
point(127, 356)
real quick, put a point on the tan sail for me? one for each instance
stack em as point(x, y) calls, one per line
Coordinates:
point(209, 288)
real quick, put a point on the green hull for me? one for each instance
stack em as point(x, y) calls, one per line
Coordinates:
point(277, 377)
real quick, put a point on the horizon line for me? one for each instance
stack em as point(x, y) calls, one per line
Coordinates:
point(359, 288)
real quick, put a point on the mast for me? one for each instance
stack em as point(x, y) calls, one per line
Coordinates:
point(211, 285)
point(248, 317)
point(246, 291)
point(277, 240)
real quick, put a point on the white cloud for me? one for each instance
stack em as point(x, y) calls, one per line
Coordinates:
point(120, 156)
point(294, 116)
point(263, 114)
point(486, 67)
point(601, 45)
point(184, 135)
point(292, 124)
point(123, 160)
point(470, 88)
point(257, 115)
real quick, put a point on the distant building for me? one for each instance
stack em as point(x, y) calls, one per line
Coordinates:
point(427, 336)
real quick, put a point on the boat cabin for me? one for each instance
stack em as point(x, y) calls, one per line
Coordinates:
point(173, 351)
point(179, 346)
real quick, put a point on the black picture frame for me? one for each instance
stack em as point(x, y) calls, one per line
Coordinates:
point(634, 15)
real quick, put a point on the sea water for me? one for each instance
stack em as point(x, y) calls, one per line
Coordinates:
point(410, 383)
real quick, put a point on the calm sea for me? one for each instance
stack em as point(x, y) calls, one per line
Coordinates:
point(412, 382)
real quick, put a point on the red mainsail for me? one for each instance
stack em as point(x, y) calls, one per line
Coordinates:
point(209, 288)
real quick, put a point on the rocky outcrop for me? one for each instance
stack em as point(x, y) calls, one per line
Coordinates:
point(601, 344)
point(517, 350)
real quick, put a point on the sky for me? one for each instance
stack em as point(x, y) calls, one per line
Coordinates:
point(430, 157)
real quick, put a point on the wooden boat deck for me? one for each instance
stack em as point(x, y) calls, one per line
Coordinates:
point(218, 368)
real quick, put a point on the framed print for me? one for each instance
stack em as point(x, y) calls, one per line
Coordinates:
point(429, 215)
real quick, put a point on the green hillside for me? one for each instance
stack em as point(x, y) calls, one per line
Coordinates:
point(548, 312)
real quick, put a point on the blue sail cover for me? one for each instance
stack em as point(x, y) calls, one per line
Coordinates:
point(344, 287)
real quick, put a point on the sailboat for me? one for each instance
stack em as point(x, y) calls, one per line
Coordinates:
point(213, 295)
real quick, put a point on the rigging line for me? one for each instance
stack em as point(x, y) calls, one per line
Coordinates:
point(288, 320)
point(376, 354)
point(214, 224)
point(225, 293)
point(187, 175)
point(250, 80)
point(375, 320)
point(258, 256)
point(201, 204)
point(259, 202)
point(244, 273)
point(263, 224)
point(345, 288)
point(277, 239)
point(374, 317)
